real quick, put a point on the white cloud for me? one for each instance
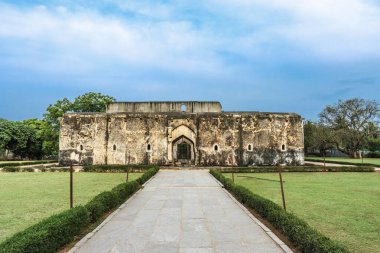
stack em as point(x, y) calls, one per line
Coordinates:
point(59, 38)
point(89, 36)
point(332, 30)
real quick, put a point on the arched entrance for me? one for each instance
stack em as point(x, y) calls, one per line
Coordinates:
point(183, 151)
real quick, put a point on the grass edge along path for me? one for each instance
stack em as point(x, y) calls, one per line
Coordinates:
point(54, 232)
point(303, 236)
point(346, 161)
point(342, 206)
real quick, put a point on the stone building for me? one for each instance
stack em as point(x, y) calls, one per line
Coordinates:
point(180, 133)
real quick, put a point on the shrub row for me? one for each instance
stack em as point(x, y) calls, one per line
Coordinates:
point(339, 162)
point(373, 155)
point(147, 175)
point(117, 168)
point(108, 200)
point(20, 169)
point(53, 233)
point(49, 234)
point(22, 163)
point(304, 237)
point(271, 169)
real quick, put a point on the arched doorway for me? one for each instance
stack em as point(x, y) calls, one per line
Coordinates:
point(183, 151)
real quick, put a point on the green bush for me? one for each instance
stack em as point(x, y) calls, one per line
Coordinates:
point(147, 175)
point(101, 204)
point(375, 154)
point(50, 234)
point(56, 231)
point(22, 163)
point(123, 191)
point(19, 169)
point(296, 230)
point(118, 168)
point(11, 169)
point(314, 168)
point(106, 201)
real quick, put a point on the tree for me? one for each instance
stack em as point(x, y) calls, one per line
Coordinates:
point(91, 102)
point(351, 121)
point(45, 136)
point(373, 143)
point(54, 112)
point(88, 102)
point(318, 137)
point(20, 139)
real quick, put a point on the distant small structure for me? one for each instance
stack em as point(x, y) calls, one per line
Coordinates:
point(180, 133)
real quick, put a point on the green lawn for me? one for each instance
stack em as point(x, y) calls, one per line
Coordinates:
point(344, 206)
point(374, 161)
point(26, 198)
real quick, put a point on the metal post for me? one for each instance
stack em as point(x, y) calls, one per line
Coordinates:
point(282, 187)
point(233, 176)
point(71, 186)
point(362, 156)
point(127, 174)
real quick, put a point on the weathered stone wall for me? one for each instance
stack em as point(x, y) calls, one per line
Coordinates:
point(225, 139)
point(154, 107)
point(83, 139)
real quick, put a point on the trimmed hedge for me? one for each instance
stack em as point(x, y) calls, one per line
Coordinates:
point(375, 154)
point(339, 162)
point(295, 229)
point(108, 200)
point(58, 230)
point(314, 168)
point(117, 168)
point(21, 163)
point(20, 169)
point(50, 234)
point(147, 175)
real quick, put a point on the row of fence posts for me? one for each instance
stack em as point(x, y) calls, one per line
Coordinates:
point(72, 184)
point(281, 184)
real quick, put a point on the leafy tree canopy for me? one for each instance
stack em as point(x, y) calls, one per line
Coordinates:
point(318, 137)
point(353, 122)
point(19, 138)
point(88, 102)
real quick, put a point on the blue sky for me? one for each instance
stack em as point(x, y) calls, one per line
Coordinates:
point(274, 55)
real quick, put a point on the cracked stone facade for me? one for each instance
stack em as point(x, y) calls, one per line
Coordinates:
point(177, 133)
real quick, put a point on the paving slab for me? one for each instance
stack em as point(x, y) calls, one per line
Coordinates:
point(181, 211)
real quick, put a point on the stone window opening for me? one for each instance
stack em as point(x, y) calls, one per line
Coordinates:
point(148, 147)
point(114, 147)
point(183, 108)
point(81, 147)
point(216, 147)
point(283, 147)
point(250, 147)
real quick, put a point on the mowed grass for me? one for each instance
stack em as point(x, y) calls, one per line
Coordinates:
point(374, 161)
point(26, 198)
point(343, 206)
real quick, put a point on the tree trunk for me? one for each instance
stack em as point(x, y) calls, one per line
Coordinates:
point(355, 154)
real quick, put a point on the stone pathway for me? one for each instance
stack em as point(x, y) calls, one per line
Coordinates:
point(181, 211)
